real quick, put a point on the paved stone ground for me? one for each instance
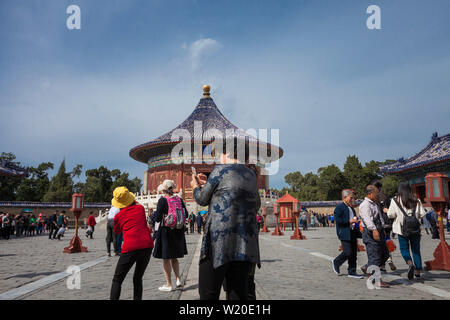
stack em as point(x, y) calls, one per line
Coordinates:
point(291, 269)
point(301, 269)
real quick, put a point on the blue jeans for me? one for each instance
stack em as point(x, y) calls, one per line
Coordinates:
point(415, 248)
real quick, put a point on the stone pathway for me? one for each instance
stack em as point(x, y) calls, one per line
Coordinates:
point(35, 268)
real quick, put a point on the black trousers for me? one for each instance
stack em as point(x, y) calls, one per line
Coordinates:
point(192, 227)
point(126, 261)
point(349, 252)
point(234, 273)
point(377, 252)
point(110, 236)
point(53, 231)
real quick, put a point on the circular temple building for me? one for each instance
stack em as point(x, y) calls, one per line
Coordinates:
point(202, 127)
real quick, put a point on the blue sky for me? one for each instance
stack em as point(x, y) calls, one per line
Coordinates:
point(309, 68)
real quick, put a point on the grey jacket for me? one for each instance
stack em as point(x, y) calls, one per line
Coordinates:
point(230, 231)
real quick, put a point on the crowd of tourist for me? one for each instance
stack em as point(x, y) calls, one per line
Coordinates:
point(29, 225)
point(380, 219)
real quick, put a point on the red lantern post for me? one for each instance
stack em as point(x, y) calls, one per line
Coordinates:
point(77, 207)
point(436, 185)
point(264, 214)
point(297, 233)
point(276, 212)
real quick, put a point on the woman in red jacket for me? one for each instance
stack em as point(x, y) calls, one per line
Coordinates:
point(137, 242)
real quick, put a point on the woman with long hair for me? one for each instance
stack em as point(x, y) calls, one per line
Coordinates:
point(407, 211)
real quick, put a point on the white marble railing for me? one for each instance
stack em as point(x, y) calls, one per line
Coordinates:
point(101, 215)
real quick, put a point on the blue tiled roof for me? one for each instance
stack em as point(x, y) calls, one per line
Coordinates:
point(211, 118)
point(437, 150)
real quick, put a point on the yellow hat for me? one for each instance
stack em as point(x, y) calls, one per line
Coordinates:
point(122, 197)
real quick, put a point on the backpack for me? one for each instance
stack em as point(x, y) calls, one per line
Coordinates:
point(175, 218)
point(411, 225)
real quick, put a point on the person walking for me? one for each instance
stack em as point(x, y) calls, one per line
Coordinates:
point(138, 243)
point(170, 240)
point(192, 222)
point(313, 220)
point(91, 224)
point(407, 211)
point(110, 234)
point(60, 220)
point(433, 220)
point(384, 203)
point(39, 224)
point(32, 227)
point(373, 232)
point(345, 217)
point(53, 225)
point(304, 220)
point(230, 242)
point(199, 223)
point(448, 220)
point(426, 225)
point(6, 225)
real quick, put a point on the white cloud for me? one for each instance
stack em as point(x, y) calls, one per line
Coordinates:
point(201, 49)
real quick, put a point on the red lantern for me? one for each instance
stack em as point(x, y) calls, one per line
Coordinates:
point(77, 202)
point(436, 185)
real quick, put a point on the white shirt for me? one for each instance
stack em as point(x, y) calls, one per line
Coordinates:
point(394, 212)
point(350, 213)
point(448, 216)
point(112, 213)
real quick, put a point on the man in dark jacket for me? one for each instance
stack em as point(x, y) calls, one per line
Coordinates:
point(199, 223)
point(53, 225)
point(345, 217)
point(192, 222)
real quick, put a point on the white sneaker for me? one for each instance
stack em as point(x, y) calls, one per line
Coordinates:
point(179, 284)
point(165, 288)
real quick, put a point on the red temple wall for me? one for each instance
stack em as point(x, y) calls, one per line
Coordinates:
point(182, 176)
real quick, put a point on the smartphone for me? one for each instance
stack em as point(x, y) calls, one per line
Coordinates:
point(194, 172)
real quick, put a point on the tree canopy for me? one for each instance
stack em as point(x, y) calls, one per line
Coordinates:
point(98, 186)
point(329, 181)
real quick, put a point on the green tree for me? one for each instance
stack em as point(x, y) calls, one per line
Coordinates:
point(8, 184)
point(92, 190)
point(36, 185)
point(331, 182)
point(295, 180)
point(390, 185)
point(61, 186)
point(355, 175)
point(122, 179)
point(100, 188)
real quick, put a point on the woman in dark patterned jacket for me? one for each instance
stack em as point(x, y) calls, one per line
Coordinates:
point(230, 244)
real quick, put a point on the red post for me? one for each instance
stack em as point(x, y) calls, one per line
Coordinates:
point(277, 231)
point(297, 233)
point(442, 252)
point(264, 214)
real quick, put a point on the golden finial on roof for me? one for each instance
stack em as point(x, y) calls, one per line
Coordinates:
point(206, 89)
